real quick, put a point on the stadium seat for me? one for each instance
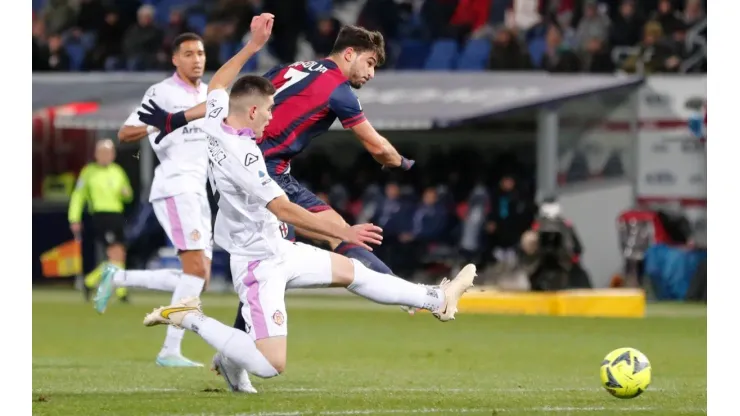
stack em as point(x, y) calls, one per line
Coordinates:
point(443, 55)
point(537, 48)
point(413, 54)
point(76, 52)
point(197, 22)
point(475, 55)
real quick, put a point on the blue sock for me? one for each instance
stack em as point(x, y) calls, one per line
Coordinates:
point(363, 256)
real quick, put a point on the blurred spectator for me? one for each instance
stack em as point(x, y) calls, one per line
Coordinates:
point(107, 51)
point(593, 25)
point(38, 56)
point(287, 28)
point(469, 17)
point(58, 16)
point(667, 16)
point(510, 215)
point(507, 53)
point(175, 27)
point(437, 15)
point(596, 58)
point(653, 54)
point(429, 221)
point(627, 25)
point(523, 15)
point(212, 38)
point(323, 35)
point(88, 16)
point(394, 215)
point(428, 226)
point(693, 12)
point(680, 49)
point(54, 56)
point(558, 56)
point(141, 41)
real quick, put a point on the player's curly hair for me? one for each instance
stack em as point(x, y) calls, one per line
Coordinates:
point(361, 40)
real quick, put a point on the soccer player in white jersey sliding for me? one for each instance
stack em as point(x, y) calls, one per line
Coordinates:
point(251, 209)
point(178, 192)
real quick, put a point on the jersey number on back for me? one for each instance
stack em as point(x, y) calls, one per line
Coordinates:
point(293, 77)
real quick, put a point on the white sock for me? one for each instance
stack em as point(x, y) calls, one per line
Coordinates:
point(392, 290)
point(236, 345)
point(165, 279)
point(187, 286)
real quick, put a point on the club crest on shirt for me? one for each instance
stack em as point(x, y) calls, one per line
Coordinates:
point(283, 229)
point(195, 235)
point(278, 318)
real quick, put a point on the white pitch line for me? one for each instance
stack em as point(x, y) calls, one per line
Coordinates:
point(352, 390)
point(543, 409)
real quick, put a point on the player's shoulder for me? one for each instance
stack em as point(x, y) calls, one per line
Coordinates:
point(161, 89)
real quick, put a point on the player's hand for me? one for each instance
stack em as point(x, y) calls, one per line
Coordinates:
point(261, 29)
point(362, 234)
point(163, 121)
point(76, 229)
point(406, 164)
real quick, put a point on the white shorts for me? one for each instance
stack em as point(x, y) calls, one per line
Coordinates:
point(261, 285)
point(186, 218)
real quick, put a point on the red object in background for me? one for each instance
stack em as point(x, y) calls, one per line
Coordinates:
point(472, 13)
point(646, 217)
point(55, 150)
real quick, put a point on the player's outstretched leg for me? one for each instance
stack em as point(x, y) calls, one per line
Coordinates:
point(113, 277)
point(164, 279)
point(391, 290)
point(235, 345)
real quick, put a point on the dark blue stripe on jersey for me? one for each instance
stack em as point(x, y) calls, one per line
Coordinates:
point(276, 145)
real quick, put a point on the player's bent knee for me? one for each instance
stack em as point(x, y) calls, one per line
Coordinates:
point(275, 350)
point(342, 270)
point(194, 263)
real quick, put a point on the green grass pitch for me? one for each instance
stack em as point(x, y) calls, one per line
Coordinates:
point(348, 356)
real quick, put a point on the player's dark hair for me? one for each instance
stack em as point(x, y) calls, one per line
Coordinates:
point(185, 37)
point(361, 40)
point(252, 85)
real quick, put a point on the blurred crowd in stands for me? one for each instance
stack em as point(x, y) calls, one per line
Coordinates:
point(644, 36)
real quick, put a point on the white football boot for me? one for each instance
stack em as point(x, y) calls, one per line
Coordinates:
point(237, 378)
point(453, 290)
point(173, 314)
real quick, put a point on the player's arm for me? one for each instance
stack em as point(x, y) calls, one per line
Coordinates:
point(247, 176)
point(261, 28)
point(127, 193)
point(77, 202)
point(134, 129)
point(344, 103)
point(300, 218)
point(379, 147)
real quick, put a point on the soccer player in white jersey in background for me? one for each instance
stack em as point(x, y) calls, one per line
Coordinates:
point(178, 192)
point(263, 264)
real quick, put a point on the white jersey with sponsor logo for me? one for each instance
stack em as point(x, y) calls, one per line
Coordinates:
point(237, 171)
point(183, 163)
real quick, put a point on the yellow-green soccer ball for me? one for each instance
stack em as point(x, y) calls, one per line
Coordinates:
point(625, 373)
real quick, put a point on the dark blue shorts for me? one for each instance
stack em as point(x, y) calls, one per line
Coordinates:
point(298, 194)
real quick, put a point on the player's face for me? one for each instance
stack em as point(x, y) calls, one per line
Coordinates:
point(362, 69)
point(105, 155)
point(190, 59)
point(261, 114)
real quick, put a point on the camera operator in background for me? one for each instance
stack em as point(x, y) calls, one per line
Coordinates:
point(551, 251)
